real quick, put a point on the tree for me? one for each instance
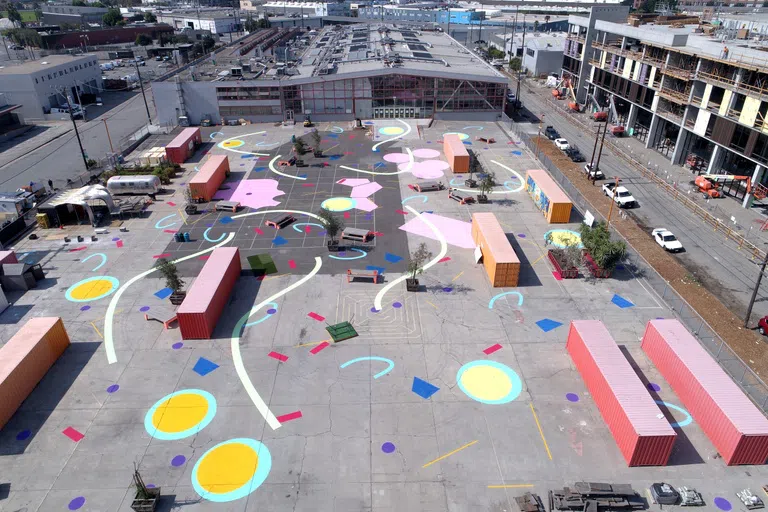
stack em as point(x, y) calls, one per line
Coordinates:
point(488, 182)
point(250, 24)
point(171, 275)
point(112, 17)
point(208, 42)
point(597, 241)
point(417, 259)
point(78, 3)
point(536, 25)
point(514, 64)
point(568, 256)
point(150, 17)
point(332, 223)
point(14, 16)
point(300, 147)
point(24, 36)
point(316, 140)
point(143, 40)
point(264, 23)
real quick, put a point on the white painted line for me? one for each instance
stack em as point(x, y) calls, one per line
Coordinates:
point(272, 168)
point(396, 137)
point(407, 168)
point(443, 251)
point(262, 212)
point(240, 137)
point(237, 358)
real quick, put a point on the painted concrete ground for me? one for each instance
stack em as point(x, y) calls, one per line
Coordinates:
point(455, 398)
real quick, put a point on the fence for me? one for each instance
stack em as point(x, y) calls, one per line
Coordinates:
point(755, 388)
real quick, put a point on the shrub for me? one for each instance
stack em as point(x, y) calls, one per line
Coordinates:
point(597, 241)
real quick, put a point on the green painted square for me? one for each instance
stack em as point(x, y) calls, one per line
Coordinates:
point(342, 331)
point(262, 262)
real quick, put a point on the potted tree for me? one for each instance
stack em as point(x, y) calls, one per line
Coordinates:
point(300, 148)
point(601, 254)
point(486, 185)
point(416, 262)
point(190, 208)
point(332, 226)
point(474, 168)
point(172, 281)
point(316, 140)
point(145, 499)
point(566, 260)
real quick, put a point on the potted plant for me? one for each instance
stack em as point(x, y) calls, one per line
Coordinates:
point(332, 226)
point(474, 168)
point(300, 148)
point(190, 208)
point(416, 262)
point(486, 185)
point(145, 499)
point(316, 140)
point(566, 260)
point(601, 254)
point(172, 281)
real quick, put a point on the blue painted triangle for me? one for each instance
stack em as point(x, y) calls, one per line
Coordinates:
point(204, 366)
point(547, 325)
point(621, 301)
point(423, 388)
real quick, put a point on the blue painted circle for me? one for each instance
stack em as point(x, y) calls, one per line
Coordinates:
point(679, 424)
point(173, 436)
point(23, 435)
point(262, 471)
point(517, 384)
point(723, 504)
point(363, 254)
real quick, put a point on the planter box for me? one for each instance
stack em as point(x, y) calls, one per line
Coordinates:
point(146, 504)
point(412, 285)
point(177, 298)
point(482, 199)
point(595, 270)
point(571, 273)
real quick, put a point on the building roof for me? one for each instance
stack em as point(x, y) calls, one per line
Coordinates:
point(32, 66)
point(551, 44)
point(208, 14)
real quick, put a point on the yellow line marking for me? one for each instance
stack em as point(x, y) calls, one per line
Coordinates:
point(449, 454)
point(200, 218)
point(458, 276)
point(510, 486)
point(541, 432)
point(538, 259)
point(330, 148)
point(313, 343)
point(431, 304)
point(273, 277)
point(181, 215)
point(97, 330)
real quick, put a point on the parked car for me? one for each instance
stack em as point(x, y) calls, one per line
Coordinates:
point(621, 196)
point(574, 154)
point(762, 325)
point(594, 173)
point(667, 240)
point(551, 133)
point(562, 144)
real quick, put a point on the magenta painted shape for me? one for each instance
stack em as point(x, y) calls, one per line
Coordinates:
point(252, 193)
point(456, 232)
point(365, 190)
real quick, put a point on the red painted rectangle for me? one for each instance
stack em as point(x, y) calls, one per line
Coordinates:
point(557, 275)
point(443, 260)
point(735, 426)
point(493, 348)
point(307, 229)
point(342, 180)
point(641, 431)
point(278, 356)
point(290, 416)
point(170, 203)
point(347, 215)
point(317, 317)
point(172, 231)
point(72, 434)
point(307, 184)
point(401, 212)
point(164, 255)
point(78, 249)
point(258, 231)
point(119, 243)
point(319, 347)
point(204, 257)
point(291, 263)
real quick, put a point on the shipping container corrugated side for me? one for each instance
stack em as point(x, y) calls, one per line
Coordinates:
point(208, 295)
point(183, 145)
point(209, 178)
point(642, 434)
point(736, 427)
point(456, 153)
point(558, 205)
point(26, 358)
point(499, 258)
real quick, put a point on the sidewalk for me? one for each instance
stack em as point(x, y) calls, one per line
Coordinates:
point(37, 137)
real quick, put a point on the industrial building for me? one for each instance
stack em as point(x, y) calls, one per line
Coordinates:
point(341, 72)
point(540, 54)
point(39, 85)
point(73, 15)
point(216, 21)
point(307, 8)
point(692, 97)
point(390, 13)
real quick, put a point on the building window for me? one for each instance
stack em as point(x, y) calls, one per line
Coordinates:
point(36, 80)
point(530, 52)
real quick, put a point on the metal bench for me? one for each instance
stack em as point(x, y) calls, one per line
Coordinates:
point(427, 186)
point(453, 194)
point(164, 315)
point(227, 206)
point(365, 274)
point(280, 221)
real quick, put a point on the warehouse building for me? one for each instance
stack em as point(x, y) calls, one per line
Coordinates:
point(390, 13)
point(216, 21)
point(73, 15)
point(344, 72)
point(307, 8)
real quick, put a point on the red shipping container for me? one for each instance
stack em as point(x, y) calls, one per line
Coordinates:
point(183, 146)
point(8, 257)
point(208, 295)
point(209, 178)
point(644, 436)
point(25, 360)
point(732, 422)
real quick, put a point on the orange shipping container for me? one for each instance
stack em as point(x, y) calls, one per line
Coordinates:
point(499, 258)
point(25, 360)
point(547, 196)
point(456, 153)
point(209, 178)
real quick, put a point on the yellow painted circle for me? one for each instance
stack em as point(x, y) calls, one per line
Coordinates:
point(180, 412)
point(227, 468)
point(234, 143)
point(338, 204)
point(486, 383)
point(391, 130)
point(563, 237)
point(92, 288)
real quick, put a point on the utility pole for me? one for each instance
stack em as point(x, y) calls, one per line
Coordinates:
point(520, 69)
point(757, 287)
point(538, 139)
point(77, 134)
point(613, 201)
point(138, 73)
point(600, 152)
point(594, 148)
point(111, 149)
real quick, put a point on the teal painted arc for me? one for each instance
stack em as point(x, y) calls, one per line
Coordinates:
point(424, 198)
point(678, 424)
point(97, 267)
point(495, 298)
point(517, 384)
point(165, 226)
point(205, 235)
point(173, 436)
point(372, 358)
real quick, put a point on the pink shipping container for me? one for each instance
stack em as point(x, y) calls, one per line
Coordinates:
point(732, 422)
point(25, 360)
point(210, 292)
point(644, 436)
point(183, 146)
point(209, 178)
point(8, 257)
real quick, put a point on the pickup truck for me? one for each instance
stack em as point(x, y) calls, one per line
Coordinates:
point(595, 173)
point(621, 196)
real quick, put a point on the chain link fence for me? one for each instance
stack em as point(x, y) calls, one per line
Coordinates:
point(750, 382)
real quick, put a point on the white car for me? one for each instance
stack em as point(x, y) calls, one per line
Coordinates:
point(621, 196)
point(594, 173)
point(562, 144)
point(667, 240)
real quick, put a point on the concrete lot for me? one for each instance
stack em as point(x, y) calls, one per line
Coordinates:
point(365, 440)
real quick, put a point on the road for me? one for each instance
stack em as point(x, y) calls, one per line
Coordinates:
point(719, 265)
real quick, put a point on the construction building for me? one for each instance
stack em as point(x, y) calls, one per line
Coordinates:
point(338, 73)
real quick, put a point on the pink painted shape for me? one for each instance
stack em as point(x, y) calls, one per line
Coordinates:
point(365, 190)
point(307, 229)
point(347, 215)
point(396, 158)
point(424, 172)
point(351, 136)
point(319, 347)
point(204, 258)
point(290, 416)
point(82, 248)
point(278, 356)
point(401, 212)
point(493, 348)
point(319, 318)
point(171, 203)
point(456, 232)
point(364, 204)
point(441, 260)
point(172, 231)
point(557, 275)
point(291, 263)
point(164, 255)
point(262, 193)
point(353, 182)
point(119, 243)
point(426, 153)
point(258, 231)
point(72, 434)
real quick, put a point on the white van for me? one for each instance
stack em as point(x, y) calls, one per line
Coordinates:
point(139, 184)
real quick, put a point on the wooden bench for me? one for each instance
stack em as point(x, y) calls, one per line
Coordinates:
point(227, 206)
point(452, 194)
point(280, 221)
point(366, 274)
point(165, 316)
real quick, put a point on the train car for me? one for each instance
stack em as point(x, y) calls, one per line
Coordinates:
point(139, 184)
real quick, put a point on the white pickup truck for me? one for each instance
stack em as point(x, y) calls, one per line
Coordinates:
point(621, 196)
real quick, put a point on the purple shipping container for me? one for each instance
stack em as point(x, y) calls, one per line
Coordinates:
point(183, 146)
point(210, 292)
point(643, 435)
point(732, 422)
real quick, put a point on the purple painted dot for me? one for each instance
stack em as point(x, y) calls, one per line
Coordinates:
point(447, 289)
point(76, 503)
point(23, 435)
point(144, 309)
point(374, 310)
point(249, 193)
point(271, 311)
point(177, 346)
point(723, 504)
point(85, 308)
point(397, 305)
point(116, 239)
point(654, 387)
point(113, 388)
point(572, 397)
point(178, 460)
point(521, 235)
point(388, 447)
point(150, 486)
point(209, 225)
